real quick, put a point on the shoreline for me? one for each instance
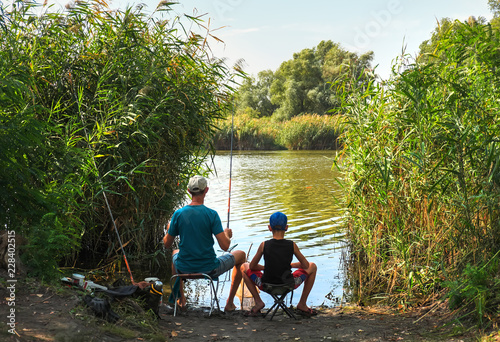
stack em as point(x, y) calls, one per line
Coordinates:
point(57, 313)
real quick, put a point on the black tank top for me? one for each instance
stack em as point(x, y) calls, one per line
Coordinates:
point(278, 255)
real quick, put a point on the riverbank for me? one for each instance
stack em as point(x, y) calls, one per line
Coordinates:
point(304, 132)
point(57, 313)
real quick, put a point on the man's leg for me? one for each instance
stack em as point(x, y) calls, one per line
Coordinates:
point(239, 259)
point(308, 284)
point(181, 302)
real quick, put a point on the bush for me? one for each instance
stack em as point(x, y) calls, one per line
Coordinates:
point(101, 108)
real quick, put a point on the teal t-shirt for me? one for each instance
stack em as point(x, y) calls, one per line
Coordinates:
point(196, 225)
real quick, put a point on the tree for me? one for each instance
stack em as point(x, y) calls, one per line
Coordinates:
point(494, 7)
point(263, 93)
point(294, 79)
point(303, 84)
point(254, 95)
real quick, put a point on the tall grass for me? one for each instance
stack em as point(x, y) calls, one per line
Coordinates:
point(421, 162)
point(304, 132)
point(97, 100)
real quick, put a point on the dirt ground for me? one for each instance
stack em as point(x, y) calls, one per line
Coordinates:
point(53, 313)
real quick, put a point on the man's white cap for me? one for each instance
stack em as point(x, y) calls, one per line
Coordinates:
point(197, 184)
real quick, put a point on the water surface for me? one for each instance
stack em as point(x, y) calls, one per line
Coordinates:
point(302, 185)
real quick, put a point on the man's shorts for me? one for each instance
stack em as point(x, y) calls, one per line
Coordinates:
point(226, 262)
point(299, 276)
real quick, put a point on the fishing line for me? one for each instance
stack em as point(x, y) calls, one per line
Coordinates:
point(230, 177)
point(104, 195)
point(230, 166)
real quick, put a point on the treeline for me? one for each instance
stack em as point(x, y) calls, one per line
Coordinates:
point(281, 109)
point(303, 84)
point(100, 108)
point(422, 174)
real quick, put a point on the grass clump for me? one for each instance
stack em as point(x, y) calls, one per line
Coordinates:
point(304, 132)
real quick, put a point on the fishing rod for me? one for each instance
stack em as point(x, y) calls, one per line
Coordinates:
point(230, 166)
point(113, 220)
point(230, 177)
point(106, 199)
point(117, 234)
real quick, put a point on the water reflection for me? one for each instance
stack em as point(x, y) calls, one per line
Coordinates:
point(299, 183)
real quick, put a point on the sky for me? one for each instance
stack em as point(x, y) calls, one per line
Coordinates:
point(266, 33)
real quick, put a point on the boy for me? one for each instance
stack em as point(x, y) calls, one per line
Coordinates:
point(278, 253)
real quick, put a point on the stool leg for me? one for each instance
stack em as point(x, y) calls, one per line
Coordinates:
point(172, 282)
point(213, 296)
point(198, 276)
point(274, 306)
point(282, 303)
point(279, 302)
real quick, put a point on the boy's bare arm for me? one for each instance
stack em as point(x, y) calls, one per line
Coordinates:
point(254, 264)
point(303, 263)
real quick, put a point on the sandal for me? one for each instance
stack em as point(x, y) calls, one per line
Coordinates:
point(307, 313)
point(230, 311)
point(252, 313)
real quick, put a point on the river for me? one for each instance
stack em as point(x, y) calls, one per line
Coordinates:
point(300, 184)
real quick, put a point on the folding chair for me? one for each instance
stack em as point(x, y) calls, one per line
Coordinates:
point(193, 276)
point(278, 292)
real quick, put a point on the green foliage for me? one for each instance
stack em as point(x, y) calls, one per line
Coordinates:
point(447, 27)
point(255, 95)
point(50, 241)
point(494, 7)
point(477, 291)
point(249, 133)
point(305, 132)
point(422, 170)
point(302, 85)
point(96, 101)
point(310, 132)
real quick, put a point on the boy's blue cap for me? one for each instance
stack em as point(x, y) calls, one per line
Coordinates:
point(278, 221)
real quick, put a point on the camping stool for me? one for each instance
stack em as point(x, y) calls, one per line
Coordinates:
point(278, 292)
point(193, 276)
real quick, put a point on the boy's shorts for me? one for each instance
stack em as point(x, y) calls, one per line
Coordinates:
point(226, 262)
point(299, 276)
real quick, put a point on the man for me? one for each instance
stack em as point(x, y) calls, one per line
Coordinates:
point(195, 224)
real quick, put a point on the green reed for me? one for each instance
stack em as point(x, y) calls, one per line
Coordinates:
point(304, 132)
point(97, 100)
point(421, 163)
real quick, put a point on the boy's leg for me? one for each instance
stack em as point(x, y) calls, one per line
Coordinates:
point(259, 304)
point(239, 259)
point(308, 284)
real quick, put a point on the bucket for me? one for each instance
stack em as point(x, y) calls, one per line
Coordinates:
point(245, 297)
